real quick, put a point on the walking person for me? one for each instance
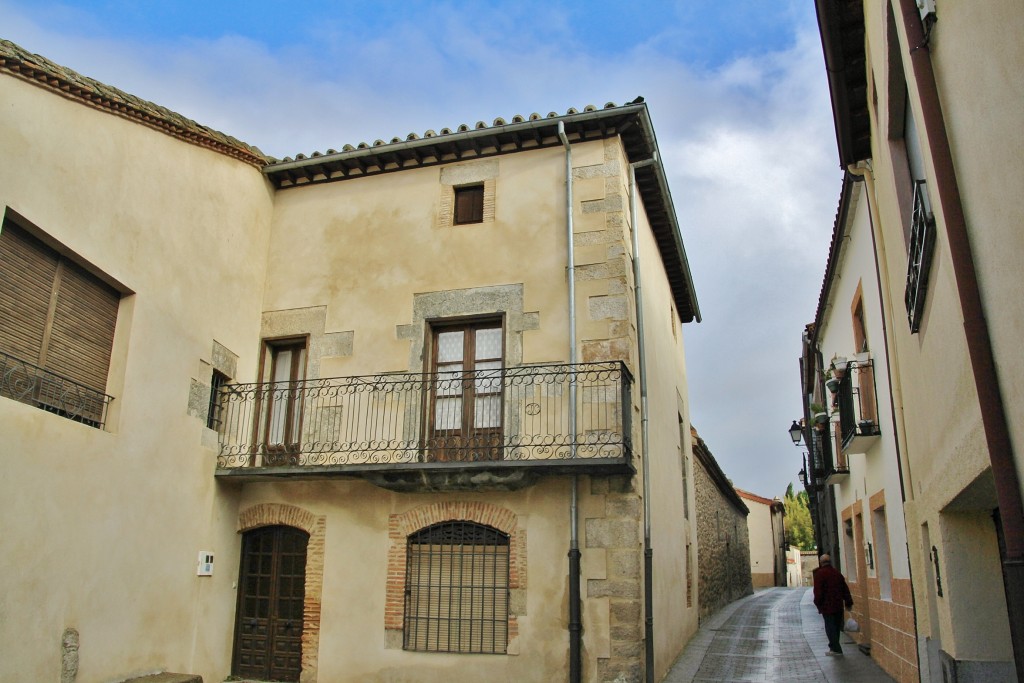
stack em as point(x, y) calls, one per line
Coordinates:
point(831, 595)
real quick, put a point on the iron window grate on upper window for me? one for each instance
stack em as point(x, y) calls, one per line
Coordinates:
point(922, 243)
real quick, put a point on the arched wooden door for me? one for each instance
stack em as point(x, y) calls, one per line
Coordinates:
point(271, 592)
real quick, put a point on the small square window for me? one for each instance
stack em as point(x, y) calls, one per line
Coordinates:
point(469, 204)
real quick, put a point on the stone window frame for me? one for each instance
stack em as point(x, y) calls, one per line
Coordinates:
point(483, 173)
point(272, 514)
point(402, 525)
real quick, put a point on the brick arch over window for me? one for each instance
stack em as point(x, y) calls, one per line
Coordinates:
point(400, 526)
point(269, 514)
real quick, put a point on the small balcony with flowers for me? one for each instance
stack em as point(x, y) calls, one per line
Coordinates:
point(496, 428)
point(854, 402)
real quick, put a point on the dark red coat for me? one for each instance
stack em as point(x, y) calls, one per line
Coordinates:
point(830, 590)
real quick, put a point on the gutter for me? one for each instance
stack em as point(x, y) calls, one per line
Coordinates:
point(979, 343)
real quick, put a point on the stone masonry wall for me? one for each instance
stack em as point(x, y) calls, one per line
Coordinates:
point(723, 544)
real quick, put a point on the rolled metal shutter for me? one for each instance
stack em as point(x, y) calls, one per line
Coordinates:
point(27, 271)
point(83, 328)
point(73, 339)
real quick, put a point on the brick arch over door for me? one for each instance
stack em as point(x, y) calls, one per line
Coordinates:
point(400, 526)
point(270, 514)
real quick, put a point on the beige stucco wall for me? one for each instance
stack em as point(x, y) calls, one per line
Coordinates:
point(353, 643)
point(764, 534)
point(879, 580)
point(101, 529)
point(944, 442)
point(878, 468)
point(363, 248)
point(673, 529)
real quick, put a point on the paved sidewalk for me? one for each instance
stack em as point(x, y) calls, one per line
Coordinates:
point(773, 635)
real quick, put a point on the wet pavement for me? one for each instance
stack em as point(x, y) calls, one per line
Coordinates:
point(774, 635)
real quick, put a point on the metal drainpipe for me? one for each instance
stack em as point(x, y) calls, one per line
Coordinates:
point(575, 617)
point(979, 343)
point(642, 354)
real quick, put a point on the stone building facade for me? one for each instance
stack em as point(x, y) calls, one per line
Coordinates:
point(363, 396)
point(767, 530)
point(723, 542)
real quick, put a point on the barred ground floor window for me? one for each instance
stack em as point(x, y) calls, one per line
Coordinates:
point(457, 589)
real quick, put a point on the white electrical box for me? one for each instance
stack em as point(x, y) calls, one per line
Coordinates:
point(205, 565)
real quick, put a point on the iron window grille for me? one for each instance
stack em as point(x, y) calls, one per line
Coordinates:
point(213, 414)
point(456, 589)
point(922, 244)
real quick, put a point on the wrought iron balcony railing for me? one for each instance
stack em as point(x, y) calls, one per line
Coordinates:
point(39, 387)
point(509, 415)
point(858, 409)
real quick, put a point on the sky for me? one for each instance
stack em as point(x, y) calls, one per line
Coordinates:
point(737, 93)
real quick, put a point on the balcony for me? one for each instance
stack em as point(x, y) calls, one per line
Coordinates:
point(828, 462)
point(498, 429)
point(35, 386)
point(858, 411)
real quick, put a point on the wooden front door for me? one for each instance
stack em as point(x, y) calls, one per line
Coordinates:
point(271, 592)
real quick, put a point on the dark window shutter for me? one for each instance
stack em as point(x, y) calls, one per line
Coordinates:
point(27, 269)
point(469, 204)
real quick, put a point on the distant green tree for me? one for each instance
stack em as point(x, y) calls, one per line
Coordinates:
point(798, 519)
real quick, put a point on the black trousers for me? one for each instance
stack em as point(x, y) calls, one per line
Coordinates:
point(833, 627)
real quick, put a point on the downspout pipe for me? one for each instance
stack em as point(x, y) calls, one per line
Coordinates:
point(575, 615)
point(979, 342)
point(644, 452)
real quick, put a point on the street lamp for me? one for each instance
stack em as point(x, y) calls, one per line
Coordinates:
point(803, 475)
point(796, 432)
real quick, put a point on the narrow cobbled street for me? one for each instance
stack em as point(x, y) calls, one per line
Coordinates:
point(775, 635)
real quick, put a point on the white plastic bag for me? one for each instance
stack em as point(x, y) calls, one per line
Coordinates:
point(851, 625)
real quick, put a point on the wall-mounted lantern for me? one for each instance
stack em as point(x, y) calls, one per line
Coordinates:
point(796, 432)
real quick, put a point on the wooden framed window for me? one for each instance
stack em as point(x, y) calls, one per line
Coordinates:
point(469, 204)
point(466, 401)
point(456, 589)
point(282, 397)
point(58, 318)
point(860, 331)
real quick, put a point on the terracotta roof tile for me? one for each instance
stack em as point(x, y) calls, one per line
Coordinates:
point(38, 70)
